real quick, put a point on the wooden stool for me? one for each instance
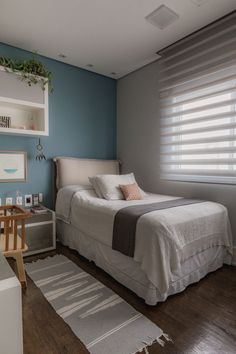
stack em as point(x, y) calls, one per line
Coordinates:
point(11, 244)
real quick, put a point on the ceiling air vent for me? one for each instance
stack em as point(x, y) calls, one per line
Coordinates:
point(162, 17)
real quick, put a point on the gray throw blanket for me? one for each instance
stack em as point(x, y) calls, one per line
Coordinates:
point(125, 222)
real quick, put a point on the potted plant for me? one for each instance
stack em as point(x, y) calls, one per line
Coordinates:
point(32, 71)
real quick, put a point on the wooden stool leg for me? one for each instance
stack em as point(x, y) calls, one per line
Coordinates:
point(21, 269)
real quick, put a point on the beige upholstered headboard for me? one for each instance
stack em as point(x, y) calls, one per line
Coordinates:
point(71, 170)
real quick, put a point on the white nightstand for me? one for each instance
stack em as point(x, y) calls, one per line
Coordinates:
point(40, 233)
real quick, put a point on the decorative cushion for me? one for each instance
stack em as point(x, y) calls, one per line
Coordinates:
point(93, 181)
point(109, 185)
point(131, 191)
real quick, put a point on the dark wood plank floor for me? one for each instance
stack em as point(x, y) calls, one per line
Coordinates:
point(202, 319)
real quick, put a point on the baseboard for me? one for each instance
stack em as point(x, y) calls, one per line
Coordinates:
point(234, 256)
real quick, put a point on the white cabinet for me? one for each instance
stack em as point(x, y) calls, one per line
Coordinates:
point(11, 336)
point(26, 106)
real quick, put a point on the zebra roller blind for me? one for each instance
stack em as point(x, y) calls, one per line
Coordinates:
point(198, 106)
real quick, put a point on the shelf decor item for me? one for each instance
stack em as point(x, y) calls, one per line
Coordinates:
point(32, 71)
point(40, 155)
point(13, 166)
point(5, 122)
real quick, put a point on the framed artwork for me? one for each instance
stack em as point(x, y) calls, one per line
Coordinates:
point(13, 166)
point(28, 200)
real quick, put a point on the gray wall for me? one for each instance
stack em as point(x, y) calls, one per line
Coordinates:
point(138, 142)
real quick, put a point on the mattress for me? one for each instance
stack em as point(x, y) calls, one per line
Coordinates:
point(165, 239)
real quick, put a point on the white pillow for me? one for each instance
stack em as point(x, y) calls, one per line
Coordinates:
point(93, 181)
point(109, 185)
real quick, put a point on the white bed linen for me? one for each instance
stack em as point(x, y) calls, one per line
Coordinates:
point(128, 272)
point(164, 238)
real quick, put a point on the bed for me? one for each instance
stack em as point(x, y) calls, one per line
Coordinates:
point(174, 247)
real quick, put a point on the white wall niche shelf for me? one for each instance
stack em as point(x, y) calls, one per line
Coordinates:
point(27, 106)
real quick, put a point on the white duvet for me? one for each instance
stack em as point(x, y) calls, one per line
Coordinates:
point(164, 238)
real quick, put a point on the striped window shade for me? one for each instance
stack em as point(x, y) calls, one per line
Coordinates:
point(198, 106)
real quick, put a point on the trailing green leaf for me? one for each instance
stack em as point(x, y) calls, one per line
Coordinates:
point(32, 71)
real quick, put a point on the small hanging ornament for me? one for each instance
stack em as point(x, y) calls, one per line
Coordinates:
point(40, 156)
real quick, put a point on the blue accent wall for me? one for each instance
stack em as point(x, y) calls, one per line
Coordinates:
point(82, 123)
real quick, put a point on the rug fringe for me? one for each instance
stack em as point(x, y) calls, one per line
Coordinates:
point(167, 337)
point(158, 340)
point(161, 342)
point(43, 259)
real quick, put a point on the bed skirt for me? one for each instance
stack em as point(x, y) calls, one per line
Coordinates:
point(129, 273)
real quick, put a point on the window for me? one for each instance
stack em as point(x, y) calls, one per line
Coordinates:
point(198, 105)
point(198, 128)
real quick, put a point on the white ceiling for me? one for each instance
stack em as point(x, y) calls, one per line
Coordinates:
point(113, 35)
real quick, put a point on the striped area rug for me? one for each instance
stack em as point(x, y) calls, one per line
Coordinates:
point(101, 319)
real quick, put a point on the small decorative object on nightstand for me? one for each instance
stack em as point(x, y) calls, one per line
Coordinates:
point(40, 232)
point(35, 199)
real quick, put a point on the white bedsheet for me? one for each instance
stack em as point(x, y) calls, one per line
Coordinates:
point(164, 238)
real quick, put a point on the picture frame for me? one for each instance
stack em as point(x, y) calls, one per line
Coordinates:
point(28, 200)
point(13, 166)
point(35, 199)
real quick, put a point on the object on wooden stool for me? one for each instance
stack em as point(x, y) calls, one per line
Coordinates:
point(12, 245)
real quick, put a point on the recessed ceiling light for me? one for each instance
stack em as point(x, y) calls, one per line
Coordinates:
point(199, 2)
point(89, 65)
point(61, 55)
point(162, 17)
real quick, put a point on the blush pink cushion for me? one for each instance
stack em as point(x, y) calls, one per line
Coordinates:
point(130, 191)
